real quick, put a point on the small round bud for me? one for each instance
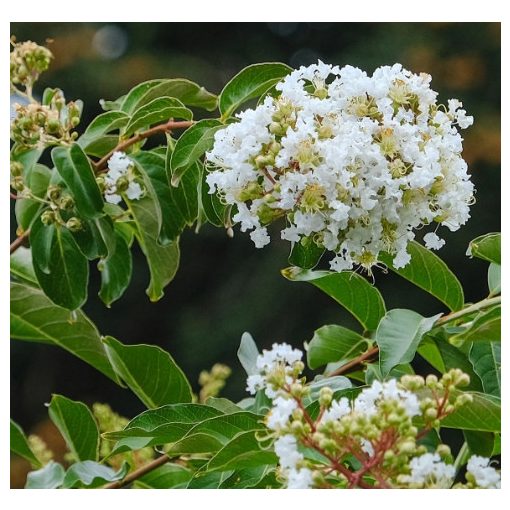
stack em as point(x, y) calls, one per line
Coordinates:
point(325, 396)
point(431, 381)
point(17, 183)
point(443, 450)
point(75, 121)
point(464, 398)
point(48, 217)
point(74, 224)
point(53, 126)
point(54, 192)
point(407, 447)
point(16, 168)
point(431, 414)
point(277, 129)
point(66, 203)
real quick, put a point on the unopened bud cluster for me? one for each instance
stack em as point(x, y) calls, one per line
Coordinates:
point(355, 163)
point(378, 428)
point(28, 61)
point(213, 381)
point(40, 125)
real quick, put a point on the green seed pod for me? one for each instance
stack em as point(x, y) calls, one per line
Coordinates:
point(66, 203)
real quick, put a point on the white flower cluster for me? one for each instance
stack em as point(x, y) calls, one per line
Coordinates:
point(353, 162)
point(485, 476)
point(428, 469)
point(120, 178)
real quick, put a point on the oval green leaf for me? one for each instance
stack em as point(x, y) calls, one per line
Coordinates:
point(349, 289)
point(34, 318)
point(191, 146)
point(398, 336)
point(91, 474)
point(305, 254)
point(251, 82)
point(150, 372)
point(19, 445)
point(427, 271)
point(158, 110)
point(486, 360)
point(50, 476)
point(486, 247)
point(332, 343)
point(77, 425)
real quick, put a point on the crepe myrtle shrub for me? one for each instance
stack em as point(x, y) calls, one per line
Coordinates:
point(343, 165)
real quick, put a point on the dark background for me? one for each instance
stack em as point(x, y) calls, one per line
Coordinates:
point(226, 286)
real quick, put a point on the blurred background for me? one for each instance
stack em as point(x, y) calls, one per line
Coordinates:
point(225, 286)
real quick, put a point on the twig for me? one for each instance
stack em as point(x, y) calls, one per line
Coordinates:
point(138, 473)
point(355, 362)
point(160, 128)
point(19, 240)
point(15, 197)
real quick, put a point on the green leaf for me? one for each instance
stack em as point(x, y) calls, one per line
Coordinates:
point(349, 289)
point(77, 425)
point(486, 360)
point(186, 91)
point(158, 110)
point(211, 207)
point(21, 265)
point(115, 272)
point(494, 278)
point(398, 336)
point(19, 445)
point(26, 209)
point(102, 146)
point(101, 126)
point(150, 372)
point(480, 443)
point(60, 267)
point(211, 435)
point(75, 169)
point(168, 476)
point(248, 353)
point(35, 318)
point(242, 452)
point(336, 383)
point(444, 356)
point(223, 405)
point(166, 424)
point(485, 327)
point(373, 372)
point(50, 476)
point(484, 414)
point(91, 474)
point(305, 254)
point(333, 343)
point(163, 261)
point(205, 480)
point(251, 82)
point(260, 477)
point(97, 238)
point(191, 146)
point(486, 247)
point(427, 271)
point(171, 218)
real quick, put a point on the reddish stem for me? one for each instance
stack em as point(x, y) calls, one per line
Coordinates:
point(19, 241)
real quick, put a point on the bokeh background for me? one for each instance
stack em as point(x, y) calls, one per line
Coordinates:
point(225, 286)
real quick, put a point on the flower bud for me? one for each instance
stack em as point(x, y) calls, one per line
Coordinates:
point(443, 450)
point(101, 183)
point(17, 183)
point(74, 224)
point(75, 121)
point(464, 398)
point(16, 168)
point(48, 217)
point(122, 183)
point(431, 381)
point(66, 203)
point(325, 396)
point(54, 192)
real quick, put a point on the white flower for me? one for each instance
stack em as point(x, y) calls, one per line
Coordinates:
point(254, 383)
point(433, 241)
point(367, 447)
point(338, 409)
point(299, 479)
point(120, 167)
point(429, 469)
point(353, 162)
point(286, 449)
point(280, 413)
point(486, 476)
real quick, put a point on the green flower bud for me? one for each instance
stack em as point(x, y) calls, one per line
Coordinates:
point(431, 381)
point(251, 191)
point(66, 203)
point(53, 126)
point(464, 398)
point(54, 192)
point(16, 168)
point(101, 183)
point(277, 129)
point(325, 396)
point(17, 183)
point(443, 450)
point(74, 224)
point(75, 121)
point(430, 414)
point(48, 217)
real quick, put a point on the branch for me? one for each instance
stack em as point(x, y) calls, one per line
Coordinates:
point(19, 241)
point(355, 362)
point(160, 128)
point(138, 473)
